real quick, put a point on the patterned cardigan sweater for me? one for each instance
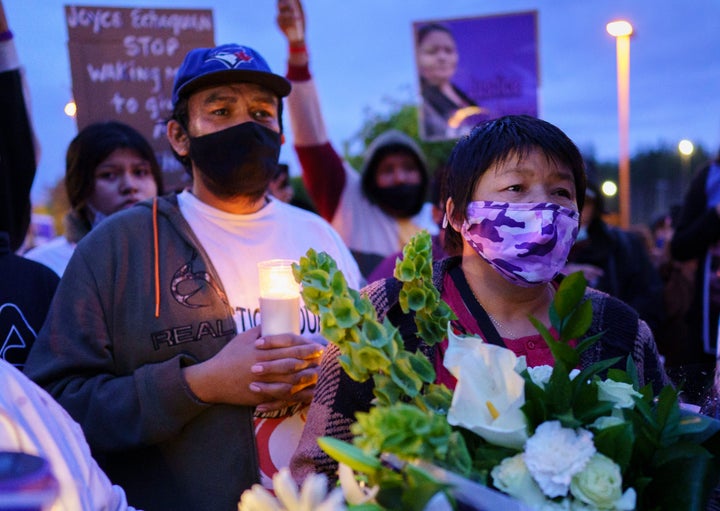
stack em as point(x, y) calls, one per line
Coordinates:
point(337, 397)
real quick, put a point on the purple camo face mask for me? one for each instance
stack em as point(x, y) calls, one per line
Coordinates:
point(527, 243)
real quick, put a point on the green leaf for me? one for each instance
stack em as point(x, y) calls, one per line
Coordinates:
point(458, 457)
point(619, 376)
point(577, 322)
point(437, 398)
point(416, 299)
point(562, 352)
point(318, 279)
point(569, 294)
point(681, 480)
point(371, 359)
point(421, 488)
point(422, 367)
point(343, 309)
point(405, 270)
point(558, 390)
point(535, 408)
point(338, 285)
point(386, 392)
point(616, 442)
point(356, 373)
point(594, 369)
point(350, 455)
point(587, 342)
point(376, 335)
point(404, 377)
point(700, 428)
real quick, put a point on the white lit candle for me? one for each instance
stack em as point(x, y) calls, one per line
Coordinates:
point(279, 297)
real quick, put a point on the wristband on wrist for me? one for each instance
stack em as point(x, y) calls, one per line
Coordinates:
point(6, 36)
point(298, 48)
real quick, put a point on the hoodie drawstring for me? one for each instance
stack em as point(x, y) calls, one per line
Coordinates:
point(156, 257)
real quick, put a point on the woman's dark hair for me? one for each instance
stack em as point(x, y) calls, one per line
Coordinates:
point(426, 30)
point(182, 117)
point(494, 142)
point(91, 146)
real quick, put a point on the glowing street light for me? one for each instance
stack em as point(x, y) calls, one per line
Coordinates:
point(686, 149)
point(622, 30)
point(70, 108)
point(609, 188)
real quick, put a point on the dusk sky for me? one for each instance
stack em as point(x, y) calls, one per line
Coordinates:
point(362, 53)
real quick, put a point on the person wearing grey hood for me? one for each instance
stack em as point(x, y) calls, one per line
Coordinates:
point(377, 211)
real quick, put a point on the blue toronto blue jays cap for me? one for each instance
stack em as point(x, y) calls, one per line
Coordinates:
point(227, 63)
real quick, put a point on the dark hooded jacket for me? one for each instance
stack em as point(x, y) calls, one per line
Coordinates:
point(112, 352)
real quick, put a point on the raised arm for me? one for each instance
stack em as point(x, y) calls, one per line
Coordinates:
point(18, 159)
point(322, 168)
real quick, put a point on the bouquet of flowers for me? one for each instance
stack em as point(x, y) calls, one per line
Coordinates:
point(549, 437)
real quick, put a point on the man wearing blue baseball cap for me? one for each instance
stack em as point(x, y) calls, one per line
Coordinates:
point(153, 343)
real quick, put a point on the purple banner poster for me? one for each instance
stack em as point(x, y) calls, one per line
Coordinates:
point(474, 69)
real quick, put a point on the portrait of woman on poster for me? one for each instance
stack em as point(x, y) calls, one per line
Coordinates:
point(447, 112)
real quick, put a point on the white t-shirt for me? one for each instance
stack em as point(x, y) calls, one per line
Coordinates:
point(235, 244)
point(55, 254)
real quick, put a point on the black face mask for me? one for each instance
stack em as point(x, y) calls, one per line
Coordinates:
point(240, 160)
point(400, 200)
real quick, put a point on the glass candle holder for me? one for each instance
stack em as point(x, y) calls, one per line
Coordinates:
point(279, 297)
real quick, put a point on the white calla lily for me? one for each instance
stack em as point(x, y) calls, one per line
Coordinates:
point(489, 392)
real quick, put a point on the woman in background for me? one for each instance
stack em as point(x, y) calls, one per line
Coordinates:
point(447, 112)
point(109, 167)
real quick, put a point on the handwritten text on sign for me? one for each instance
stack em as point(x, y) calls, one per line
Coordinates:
point(123, 63)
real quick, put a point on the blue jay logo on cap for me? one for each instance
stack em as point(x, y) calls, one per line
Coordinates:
point(227, 63)
point(233, 59)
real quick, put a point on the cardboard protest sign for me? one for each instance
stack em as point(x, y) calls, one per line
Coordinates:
point(123, 62)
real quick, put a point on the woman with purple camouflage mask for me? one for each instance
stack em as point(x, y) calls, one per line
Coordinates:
point(513, 195)
point(513, 191)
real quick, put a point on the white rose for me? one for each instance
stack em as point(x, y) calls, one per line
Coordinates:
point(521, 364)
point(540, 375)
point(617, 392)
point(599, 484)
point(554, 454)
point(512, 477)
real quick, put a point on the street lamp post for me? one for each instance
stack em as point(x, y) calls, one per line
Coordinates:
point(622, 30)
point(686, 149)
